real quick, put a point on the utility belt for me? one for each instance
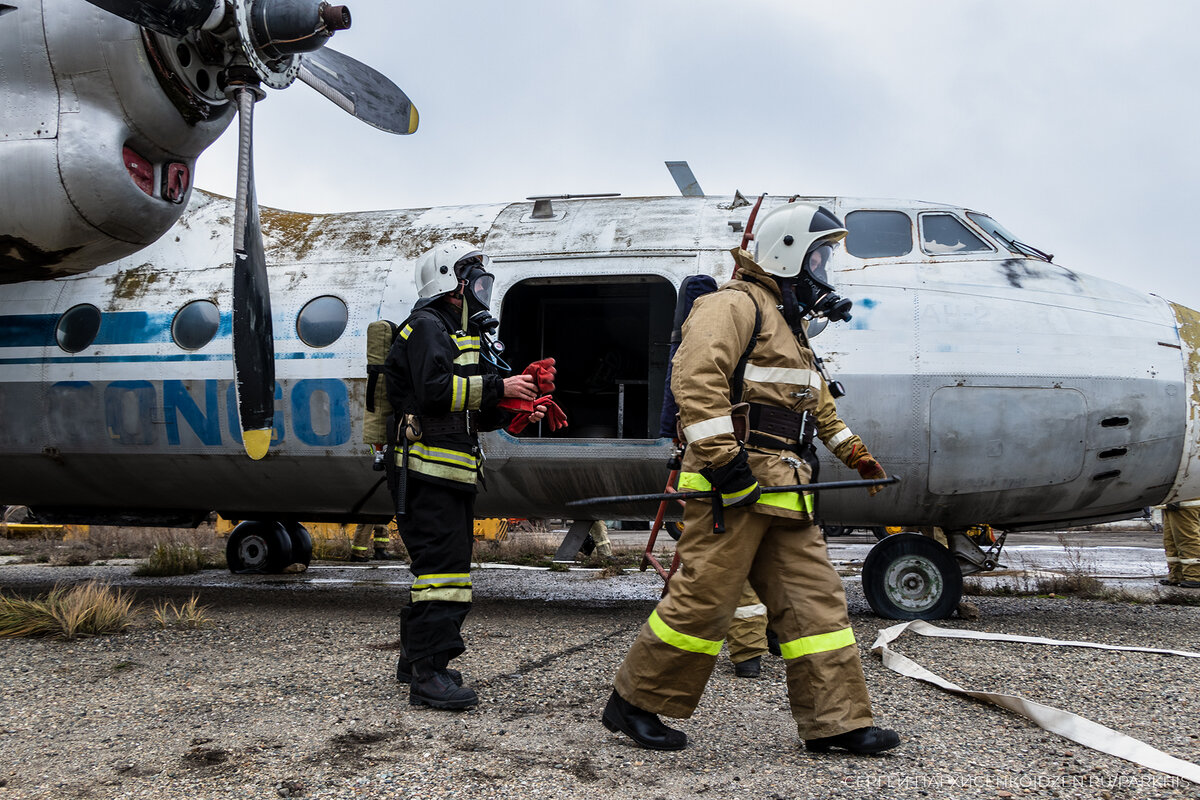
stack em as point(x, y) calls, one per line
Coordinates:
point(459, 422)
point(780, 428)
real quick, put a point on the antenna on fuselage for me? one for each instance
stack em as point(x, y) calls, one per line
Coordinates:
point(684, 179)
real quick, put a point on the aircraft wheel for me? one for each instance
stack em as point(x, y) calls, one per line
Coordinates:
point(258, 547)
point(301, 543)
point(908, 576)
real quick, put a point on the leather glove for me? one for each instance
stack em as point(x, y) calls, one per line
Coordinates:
point(868, 468)
point(543, 373)
point(734, 481)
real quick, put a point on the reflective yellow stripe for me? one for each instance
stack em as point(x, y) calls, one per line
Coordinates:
point(474, 392)
point(789, 501)
point(692, 644)
point(730, 499)
point(405, 332)
point(820, 643)
point(443, 579)
point(358, 547)
point(466, 359)
point(693, 482)
point(453, 587)
point(440, 462)
point(465, 343)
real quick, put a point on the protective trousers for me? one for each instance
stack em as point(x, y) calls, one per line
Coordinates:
point(366, 536)
point(1181, 540)
point(748, 631)
point(438, 532)
point(669, 664)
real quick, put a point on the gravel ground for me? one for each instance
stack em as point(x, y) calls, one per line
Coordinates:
point(287, 693)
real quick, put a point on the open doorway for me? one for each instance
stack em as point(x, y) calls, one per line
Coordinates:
point(610, 336)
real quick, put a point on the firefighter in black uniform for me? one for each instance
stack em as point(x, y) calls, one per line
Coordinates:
point(444, 390)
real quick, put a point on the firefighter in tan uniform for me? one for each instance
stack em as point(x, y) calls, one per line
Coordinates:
point(748, 634)
point(771, 538)
point(1181, 540)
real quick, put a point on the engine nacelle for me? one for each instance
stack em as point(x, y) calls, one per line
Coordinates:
point(98, 143)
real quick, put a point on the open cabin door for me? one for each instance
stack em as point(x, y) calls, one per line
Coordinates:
point(610, 335)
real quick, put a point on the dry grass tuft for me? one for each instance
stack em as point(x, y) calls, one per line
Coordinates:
point(188, 615)
point(90, 609)
point(174, 558)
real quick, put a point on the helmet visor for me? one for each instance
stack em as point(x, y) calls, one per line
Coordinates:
point(816, 263)
point(479, 286)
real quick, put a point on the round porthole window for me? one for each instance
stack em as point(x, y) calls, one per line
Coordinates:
point(196, 324)
point(322, 321)
point(77, 328)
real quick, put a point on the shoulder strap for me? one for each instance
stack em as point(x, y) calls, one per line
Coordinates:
point(737, 383)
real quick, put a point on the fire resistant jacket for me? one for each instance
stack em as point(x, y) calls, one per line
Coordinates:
point(780, 372)
point(435, 372)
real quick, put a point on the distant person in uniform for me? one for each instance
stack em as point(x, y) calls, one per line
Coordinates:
point(1181, 540)
point(748, 635)
point(364, 534)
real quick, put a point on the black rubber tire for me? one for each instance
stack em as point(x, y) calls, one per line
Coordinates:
point(258, 547)
point(909, 576)
point(301, 543)
point(878, 532)
point(835, 530)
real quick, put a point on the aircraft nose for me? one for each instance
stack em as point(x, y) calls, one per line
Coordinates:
point(1187, 481)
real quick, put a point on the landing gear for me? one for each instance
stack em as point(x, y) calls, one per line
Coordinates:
point(260, 547)
point(301, 543)
point(909, 576)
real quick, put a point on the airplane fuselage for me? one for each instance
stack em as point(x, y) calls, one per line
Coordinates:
point(1002, 387)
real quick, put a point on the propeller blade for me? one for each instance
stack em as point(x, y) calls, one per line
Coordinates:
point(253, 342)
point(359, 90)
point(168, 17)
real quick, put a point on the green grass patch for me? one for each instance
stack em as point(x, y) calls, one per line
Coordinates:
point(177, 559)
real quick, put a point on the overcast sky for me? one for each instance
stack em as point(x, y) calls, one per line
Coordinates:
point(1072, 122)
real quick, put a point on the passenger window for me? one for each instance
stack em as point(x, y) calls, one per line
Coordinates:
point(322, 321)
point(943, 234)
point(878, 234)
point(196, 324)
point(77, 328)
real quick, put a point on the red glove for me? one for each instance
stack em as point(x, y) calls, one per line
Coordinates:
point(555, 417)
point(543, 373)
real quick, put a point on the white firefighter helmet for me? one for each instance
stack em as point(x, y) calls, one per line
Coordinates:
point(790, 232)
point(436, 272)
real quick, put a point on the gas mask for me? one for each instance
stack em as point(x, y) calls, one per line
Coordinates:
point(810, 292)
point(476, 284)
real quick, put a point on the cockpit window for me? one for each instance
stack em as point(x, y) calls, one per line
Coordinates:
point(1001, 234)
point(878, 234)
point(946, 234)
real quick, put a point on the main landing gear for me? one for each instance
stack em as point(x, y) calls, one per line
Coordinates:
point(913, 576)
point(266, 546)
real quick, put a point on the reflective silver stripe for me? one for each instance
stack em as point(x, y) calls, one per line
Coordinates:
point(747, 612)
point(458, 394)
point(839, 437)
point(796, 377)
point(1182, 504)
point(708, 428)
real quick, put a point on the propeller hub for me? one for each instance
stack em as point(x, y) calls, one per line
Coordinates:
point(285, 28)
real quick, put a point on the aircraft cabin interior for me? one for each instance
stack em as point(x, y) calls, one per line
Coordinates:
point(611, 339)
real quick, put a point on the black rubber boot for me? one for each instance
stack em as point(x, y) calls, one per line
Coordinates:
point(356, 558)
point(404, 671)
point(383, 555)
point(436, 688)
point(861, 741)
point(642, 726)
point(750, 668)
point(773, 644)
